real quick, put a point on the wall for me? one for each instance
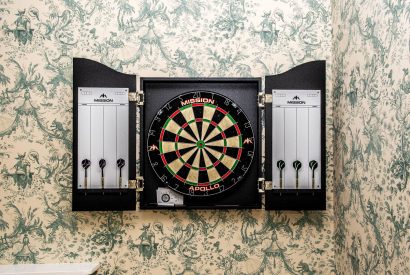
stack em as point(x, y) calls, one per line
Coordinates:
point(372, 143)
point(152, 38)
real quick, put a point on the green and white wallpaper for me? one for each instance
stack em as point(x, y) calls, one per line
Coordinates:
point(371, 93)
point(365, 229)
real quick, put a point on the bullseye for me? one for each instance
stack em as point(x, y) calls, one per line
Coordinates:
point(200, 144)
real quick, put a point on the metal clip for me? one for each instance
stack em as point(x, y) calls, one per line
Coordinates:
point(263, 99)
point(137, 97)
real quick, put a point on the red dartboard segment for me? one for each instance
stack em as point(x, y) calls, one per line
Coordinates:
point(178, 154)
point(161, 137)
point(226, 174)
point(180, 179)
point(181, 121)
point(221, 110)
point(164, 160)
point(238, 157)
point(237, 129)
point(174, 113)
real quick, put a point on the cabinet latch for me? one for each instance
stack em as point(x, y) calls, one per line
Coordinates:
point(264, 185)
point(137, 97)
point(263, 99)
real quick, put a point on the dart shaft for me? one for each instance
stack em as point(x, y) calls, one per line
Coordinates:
point(281, 179)
point(297, 180)
point(313, 179)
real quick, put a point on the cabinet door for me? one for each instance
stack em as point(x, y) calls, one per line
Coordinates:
point(295, 138)
point(104, 158)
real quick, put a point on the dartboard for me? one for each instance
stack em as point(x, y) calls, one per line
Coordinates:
point(200, 143)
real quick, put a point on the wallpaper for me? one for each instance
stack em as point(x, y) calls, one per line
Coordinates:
point(372, 136)
point(195, 38)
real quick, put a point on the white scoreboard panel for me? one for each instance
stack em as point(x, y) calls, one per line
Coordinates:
point(102, 138)
point(296, 139)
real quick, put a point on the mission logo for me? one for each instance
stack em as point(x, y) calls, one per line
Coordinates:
point(197, 100)
point(103, 98)
point(296, 100)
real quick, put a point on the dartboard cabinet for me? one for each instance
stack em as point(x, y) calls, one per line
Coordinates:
point(198, 143)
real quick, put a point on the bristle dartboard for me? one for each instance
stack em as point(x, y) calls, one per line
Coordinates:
point(200, 143)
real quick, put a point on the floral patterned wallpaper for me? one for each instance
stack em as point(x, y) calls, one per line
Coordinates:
point(371, 93)
point(193, 38)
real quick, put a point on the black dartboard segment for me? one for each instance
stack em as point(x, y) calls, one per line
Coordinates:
point(200, 143)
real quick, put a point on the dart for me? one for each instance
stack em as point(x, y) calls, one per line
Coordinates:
point(85, 163)
point(281, 165)
point(102, 164)
point(297, 165)
point(313, 165)
point(120, 164)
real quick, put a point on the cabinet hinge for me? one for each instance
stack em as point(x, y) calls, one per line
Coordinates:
point(264, 185)
point(132, 184)
point(139, 184)
point(137, 97)
point(263, 99)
